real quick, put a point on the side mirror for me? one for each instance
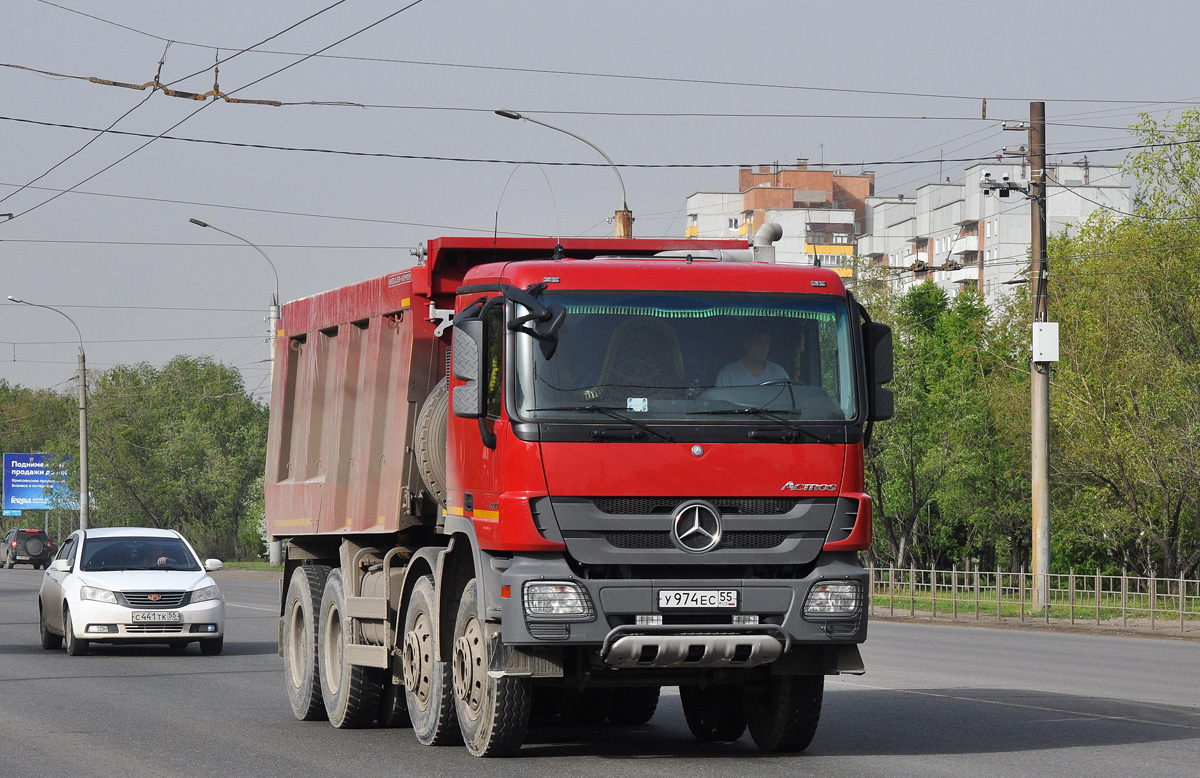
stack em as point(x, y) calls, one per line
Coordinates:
point(466, 361)
point(878, 341)
point(61, 565)
point(212, 565)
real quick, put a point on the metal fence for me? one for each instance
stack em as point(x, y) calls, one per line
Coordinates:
point(1112, 601)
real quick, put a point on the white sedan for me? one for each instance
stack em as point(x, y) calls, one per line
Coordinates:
point(130, 585)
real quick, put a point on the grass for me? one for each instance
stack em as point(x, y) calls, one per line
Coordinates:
point(257, 565)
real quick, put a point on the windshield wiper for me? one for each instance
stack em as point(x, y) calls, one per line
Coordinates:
point(765, 414)
point(613, 413)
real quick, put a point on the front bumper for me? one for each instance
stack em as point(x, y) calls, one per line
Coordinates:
point(617, 605)
point(196, 621)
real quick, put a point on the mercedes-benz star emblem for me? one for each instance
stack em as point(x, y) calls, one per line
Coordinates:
point(696, 527)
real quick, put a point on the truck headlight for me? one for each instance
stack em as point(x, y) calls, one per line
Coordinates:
point(833, 598)
point(97, 594)
point(557, 600)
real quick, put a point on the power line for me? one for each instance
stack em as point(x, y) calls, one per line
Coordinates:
point(486, 160)
point(625, 76)
point(207, 104)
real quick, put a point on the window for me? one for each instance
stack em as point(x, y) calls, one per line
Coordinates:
point(493, 338)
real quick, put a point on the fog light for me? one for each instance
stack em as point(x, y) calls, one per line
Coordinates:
point(744, 619)
point(833, 598)
point(101, 628)
point(204, 628)
point(648, 620)
point(556, 599)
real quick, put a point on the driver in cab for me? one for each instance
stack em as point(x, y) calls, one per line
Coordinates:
point(754, 367)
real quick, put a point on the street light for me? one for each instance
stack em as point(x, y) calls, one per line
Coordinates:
point(622, 218)
point(275, 548)
point(83, 427)
point(273, 309)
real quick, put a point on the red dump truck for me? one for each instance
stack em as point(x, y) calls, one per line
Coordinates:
point(531, 477)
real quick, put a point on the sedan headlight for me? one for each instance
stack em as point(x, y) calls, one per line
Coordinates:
point(99, 595)
point(833, 598)
point(206, 594)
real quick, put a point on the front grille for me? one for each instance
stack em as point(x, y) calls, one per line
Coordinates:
point(662, 540)
point(157, 629)
point(142, 599)
point(744, 506)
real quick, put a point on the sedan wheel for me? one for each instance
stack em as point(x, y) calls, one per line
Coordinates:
point(75, 646)
point(50, 641)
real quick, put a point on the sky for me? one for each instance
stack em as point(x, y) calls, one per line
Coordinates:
point(387, 137)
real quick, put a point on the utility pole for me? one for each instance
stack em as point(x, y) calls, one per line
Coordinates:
point(1045, 351)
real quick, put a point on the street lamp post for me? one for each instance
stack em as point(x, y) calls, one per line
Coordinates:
point(275, 549)
point(623, 218)
point(83, 426)
point(273, 309)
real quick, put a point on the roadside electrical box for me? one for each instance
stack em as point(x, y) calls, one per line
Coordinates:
point(1045, 341)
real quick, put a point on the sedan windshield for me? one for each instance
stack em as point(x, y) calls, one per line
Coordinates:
point(137, 553)
point(691, 356)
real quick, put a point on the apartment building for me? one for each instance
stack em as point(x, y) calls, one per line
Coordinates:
point(955, 235)
point(821, 212)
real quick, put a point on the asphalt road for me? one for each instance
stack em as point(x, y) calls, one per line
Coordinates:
point(936, 700)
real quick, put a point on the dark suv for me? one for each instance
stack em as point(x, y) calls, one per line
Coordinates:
point(27, 547)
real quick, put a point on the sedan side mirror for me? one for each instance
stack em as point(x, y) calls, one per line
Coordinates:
point(213, 564)
point(61, 565)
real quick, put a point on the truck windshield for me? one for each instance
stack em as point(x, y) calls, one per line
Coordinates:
point(691, 356)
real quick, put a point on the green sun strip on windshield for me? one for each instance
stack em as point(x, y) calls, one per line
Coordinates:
point(698, 313)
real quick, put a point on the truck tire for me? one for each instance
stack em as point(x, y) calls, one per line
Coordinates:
point(493, 713)
point(301, 627)
point(428, 688)
point(635, 705)
point(429, 446)
point(785, 715)
point(713, 714)
point(350, 692)
point(392, 711)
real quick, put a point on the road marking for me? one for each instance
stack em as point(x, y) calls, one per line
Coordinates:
point(251, 607)
point(1025, 706)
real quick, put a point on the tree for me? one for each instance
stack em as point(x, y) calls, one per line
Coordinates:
point(183, 447)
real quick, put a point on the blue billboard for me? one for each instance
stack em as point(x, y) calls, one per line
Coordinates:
point(30, 480)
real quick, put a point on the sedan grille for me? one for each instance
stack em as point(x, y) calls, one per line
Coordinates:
point(145, 599)
point(157, 629)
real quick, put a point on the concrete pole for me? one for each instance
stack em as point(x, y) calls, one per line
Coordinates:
point(274, 547)
point(1039, 371)
point(84, 512)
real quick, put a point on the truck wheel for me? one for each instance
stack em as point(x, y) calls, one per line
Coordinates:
point(493, 713)
point(713, 714)
point(784, 717)
point(633, 705)
point(392, 711)
point(349, 692)
point(429, 447)
point(301, 627)
point(427, 684)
